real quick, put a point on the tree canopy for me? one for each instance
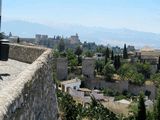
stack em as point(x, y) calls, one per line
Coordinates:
point(61, 45)
point(108, 71)
point(125, 53)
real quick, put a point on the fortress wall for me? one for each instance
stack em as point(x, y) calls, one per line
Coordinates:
point(24, 53)
point(32, 95)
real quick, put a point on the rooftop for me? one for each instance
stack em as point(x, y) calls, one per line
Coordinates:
point(71, 81)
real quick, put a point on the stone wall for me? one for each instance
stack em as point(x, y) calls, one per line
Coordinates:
point(120, 86)
point(135, 89)
point(24, 53)
point(154, 69)
point(62, 68)
point(32, 95)
point(88, 66)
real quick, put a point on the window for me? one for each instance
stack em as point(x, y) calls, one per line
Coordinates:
point(74, 87)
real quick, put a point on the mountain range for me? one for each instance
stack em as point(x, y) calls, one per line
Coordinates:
point(98, 35)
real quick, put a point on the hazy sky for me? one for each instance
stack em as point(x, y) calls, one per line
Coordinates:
point(141, 15)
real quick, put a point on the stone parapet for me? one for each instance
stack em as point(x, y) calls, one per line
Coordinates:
point(31, 96)
point(24, 53)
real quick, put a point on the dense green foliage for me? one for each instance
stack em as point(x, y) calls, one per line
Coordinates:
point(89, 53)
point(137, 73)
point(79, 52)
point(143, 68)
point(99, 65)
point(72, 59)
point(108, 71)
point(157, 107)
point(2, 35)
point(156, 78)
point(141, 108)
point(72, 111)
point(67, 106)
point(61, 45)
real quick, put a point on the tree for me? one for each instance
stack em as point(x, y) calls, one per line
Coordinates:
point(112, 55)
point(18, 40)
point(129, 72)
point(78, 52)
point(123, 70)
point(156, 78)
point(61, 45)
point(56, 54)
point(99, 65)
point(72, 59)
point(117, 62)
point(2, 35)
point(106, 60)
point(141, 115)
point(100, 49)
point(137, 78)
point(106, 55)
point(97, 111)
point(10, 34)
point(89, 53)
point(157, 107)
point(72, 111)
point(158, 66)
point(108, 71)
point(144, 68)
point(67, 105)
point(125, 53)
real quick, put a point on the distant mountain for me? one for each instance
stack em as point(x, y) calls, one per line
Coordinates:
point(90, 34)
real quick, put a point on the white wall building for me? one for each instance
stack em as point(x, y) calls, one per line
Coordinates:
point(74, 84)
point(98, 56)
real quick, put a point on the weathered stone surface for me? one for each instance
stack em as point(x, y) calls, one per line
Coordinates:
point(31, 96)
point(24, 53)
point(120, 86)
point(88, 66)
point(62, 68)
point(9, 70)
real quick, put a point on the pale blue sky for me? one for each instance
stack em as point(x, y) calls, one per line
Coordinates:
point(143, 15)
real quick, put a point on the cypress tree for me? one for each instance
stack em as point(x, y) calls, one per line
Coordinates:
point(106, 55)
point(18, 40)
point(61, 45)
point(106, 60)
point(115, 62)
point(141, 108)
point(159, 63)
point(107, 52)
point(125, 54)
point(112, 56)
point(157, 107)
point(118, 62)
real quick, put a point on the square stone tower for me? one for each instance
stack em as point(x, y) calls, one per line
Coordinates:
point(62, 68)
point(88, 66)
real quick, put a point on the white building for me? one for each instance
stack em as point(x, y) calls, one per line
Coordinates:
point(74, 84)
point(98, 56)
